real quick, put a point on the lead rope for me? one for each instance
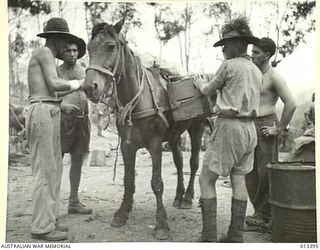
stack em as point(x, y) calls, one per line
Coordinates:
point(116, 159)
point(119, 109)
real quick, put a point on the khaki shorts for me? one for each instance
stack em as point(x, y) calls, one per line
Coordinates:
point(231, 147)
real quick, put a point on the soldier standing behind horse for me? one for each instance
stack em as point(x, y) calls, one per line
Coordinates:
point(43, 130)
point(75, 123)
point(231, 150)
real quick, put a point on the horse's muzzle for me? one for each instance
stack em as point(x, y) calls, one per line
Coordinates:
point(92, 92)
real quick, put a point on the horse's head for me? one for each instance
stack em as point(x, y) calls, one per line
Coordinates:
point(105, 66)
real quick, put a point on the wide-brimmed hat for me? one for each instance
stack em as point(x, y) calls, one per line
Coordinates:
point(59, 26)
point(237, 28)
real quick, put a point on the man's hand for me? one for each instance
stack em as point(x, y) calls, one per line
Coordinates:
point(81, 81)
point(200, 82)
point(270, 131)
point(69, 108)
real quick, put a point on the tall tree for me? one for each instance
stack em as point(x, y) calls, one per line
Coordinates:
point(111, 12)
point(175, 21)
point(166, 29)
point(299, 20)
point(220, 12)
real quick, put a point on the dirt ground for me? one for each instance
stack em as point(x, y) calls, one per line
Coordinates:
point(100, 192)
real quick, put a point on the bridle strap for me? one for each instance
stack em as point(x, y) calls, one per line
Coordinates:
point(100, 69)
point(116, 65)
point(119, 56)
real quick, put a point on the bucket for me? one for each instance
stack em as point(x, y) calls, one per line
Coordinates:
point(186, 101)
point(293, 201)
point(98, 158)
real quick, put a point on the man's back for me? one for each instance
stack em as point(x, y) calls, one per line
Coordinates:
point(37, 82)
point(239, 94)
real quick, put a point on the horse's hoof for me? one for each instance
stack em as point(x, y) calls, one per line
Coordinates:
point(118, 221)
point(161, 233)
point(176, 203)
point(186, 204)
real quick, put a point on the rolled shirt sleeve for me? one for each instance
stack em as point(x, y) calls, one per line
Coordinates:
point(218, 80)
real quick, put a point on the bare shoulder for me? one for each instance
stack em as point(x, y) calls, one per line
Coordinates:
point(81, 70)
point(280, 86)
point(276, 78)
point(43, 52)
point(81, 67)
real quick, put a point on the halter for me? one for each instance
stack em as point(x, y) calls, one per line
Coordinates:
point(116, 73)
point(115, 77)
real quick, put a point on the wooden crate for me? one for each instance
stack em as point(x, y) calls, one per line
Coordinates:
point(186, 101)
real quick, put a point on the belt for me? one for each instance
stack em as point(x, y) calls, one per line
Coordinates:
point(266, 117)
point(81, 116)
point(242, 118)
point(40, 99)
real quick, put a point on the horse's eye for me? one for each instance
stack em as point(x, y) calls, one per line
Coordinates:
point(111, 47)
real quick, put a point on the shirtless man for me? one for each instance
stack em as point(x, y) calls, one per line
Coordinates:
point(268, 129)
point(43, 130)
point(75, 124)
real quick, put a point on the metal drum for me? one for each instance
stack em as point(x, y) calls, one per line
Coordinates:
point(293, 201)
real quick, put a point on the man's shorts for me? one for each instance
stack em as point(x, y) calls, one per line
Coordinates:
point(75, 134)
point(231, 147)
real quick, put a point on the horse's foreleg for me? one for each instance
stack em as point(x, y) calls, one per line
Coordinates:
point(195, 131)
point(178, 162)
point(161, 230)
point(129, 156)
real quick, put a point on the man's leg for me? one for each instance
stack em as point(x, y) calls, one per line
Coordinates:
point(45, 155)
point(75, 176)
point(252, 180)
point(208, 203)
point(75, 206)
point(265, 152)
point(238, 209)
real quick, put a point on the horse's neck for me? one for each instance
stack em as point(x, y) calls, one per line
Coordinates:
point(130, 79)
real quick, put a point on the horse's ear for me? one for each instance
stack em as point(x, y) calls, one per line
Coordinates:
point(117, 27)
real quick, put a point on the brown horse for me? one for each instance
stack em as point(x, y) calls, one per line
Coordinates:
point(144, 119)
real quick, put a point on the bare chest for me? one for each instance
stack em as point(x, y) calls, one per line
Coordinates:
point(71, 74)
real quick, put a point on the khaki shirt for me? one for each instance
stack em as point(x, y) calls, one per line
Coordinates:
point(239, 84)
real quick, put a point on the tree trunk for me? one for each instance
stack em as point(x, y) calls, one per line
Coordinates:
point(180, 49)
point(12, 79)
point(87, 21)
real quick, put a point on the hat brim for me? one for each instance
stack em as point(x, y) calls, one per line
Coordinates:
point(72, 38)
point(249, 39)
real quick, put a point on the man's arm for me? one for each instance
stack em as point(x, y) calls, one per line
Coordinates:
point(307, 115)
point(209, 88)
point(285, 95)
point(49, 70)
point(289, 104)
